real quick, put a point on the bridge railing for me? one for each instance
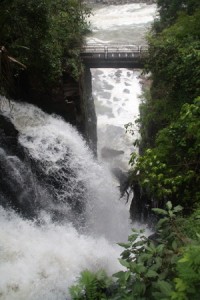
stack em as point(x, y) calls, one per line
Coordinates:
point(113, 51)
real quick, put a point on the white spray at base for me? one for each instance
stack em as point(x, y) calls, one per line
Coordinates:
point(42, 261)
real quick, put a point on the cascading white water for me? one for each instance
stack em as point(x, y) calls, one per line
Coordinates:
point(43, 260)
point(58, 147)
point(40, 259)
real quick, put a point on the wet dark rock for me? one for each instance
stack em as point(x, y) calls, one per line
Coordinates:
point(126, 91)
point(17, 186)
point(109, 152)
point(67, 99)
point(123, 179)
point(112, 131)
point(99, 72)
point(107, 86)
point(104, 94)
point(14, 173)
point(141, 205)
point(105, 110)
point(89, 110)
point(8, 135)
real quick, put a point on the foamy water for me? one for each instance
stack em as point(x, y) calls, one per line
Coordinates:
point(121, 23)
point(117, 91)
point(41, 262)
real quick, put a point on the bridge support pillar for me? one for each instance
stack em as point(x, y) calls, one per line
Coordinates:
point(89, 108)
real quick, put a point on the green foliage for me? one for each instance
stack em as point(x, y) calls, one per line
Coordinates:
point(169, 119)
point(190, 226)
point(167, 265)
point(170, 170)
point(164, 266)
point(187, 282)
point(174, 59)
point(170, 10)
point(44, 35)
point(151, 263)
point(174, 65)
point(91, 286)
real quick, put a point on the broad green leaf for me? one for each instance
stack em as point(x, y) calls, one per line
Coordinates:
point(178, 208)
point(169, 205)
point(124, 263)
point(160, 211)
point(151, 274)
point(119, 274)
point(161, 222)
point(138, 268)
point(164, 287)
point(174, 245)
point(124, 245)
point(127, 275)
point(160, 248)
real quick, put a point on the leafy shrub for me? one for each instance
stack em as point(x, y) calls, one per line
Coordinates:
point(91, 286)
point(163, 266)
point(44, 36)
point(170, 170)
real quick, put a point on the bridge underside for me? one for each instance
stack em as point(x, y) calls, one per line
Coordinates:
point(104, 63)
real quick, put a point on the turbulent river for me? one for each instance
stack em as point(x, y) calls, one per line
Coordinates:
point(116, 91)
point(41, 257)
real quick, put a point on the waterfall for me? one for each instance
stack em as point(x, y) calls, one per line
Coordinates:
point(77, 214)
point(60, 210)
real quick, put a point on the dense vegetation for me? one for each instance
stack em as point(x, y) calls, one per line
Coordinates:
point(170, 142)
point(167, 264)
point(44, 36)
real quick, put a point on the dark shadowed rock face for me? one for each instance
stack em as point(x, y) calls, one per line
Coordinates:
point(142, 204)
point(8, 135)
point(89, 110)
point(70, 99)
point(16, 185)
point(124, 184)
point(64, 98)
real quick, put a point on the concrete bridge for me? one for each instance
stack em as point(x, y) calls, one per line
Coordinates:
point(113, 56)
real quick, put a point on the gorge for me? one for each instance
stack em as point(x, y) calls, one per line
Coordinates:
point(61, 210)
point(79, 143)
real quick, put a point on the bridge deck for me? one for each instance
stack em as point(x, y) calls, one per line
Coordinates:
point(106, 56)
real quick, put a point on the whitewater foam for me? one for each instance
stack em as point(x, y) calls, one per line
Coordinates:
point(43, 261)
